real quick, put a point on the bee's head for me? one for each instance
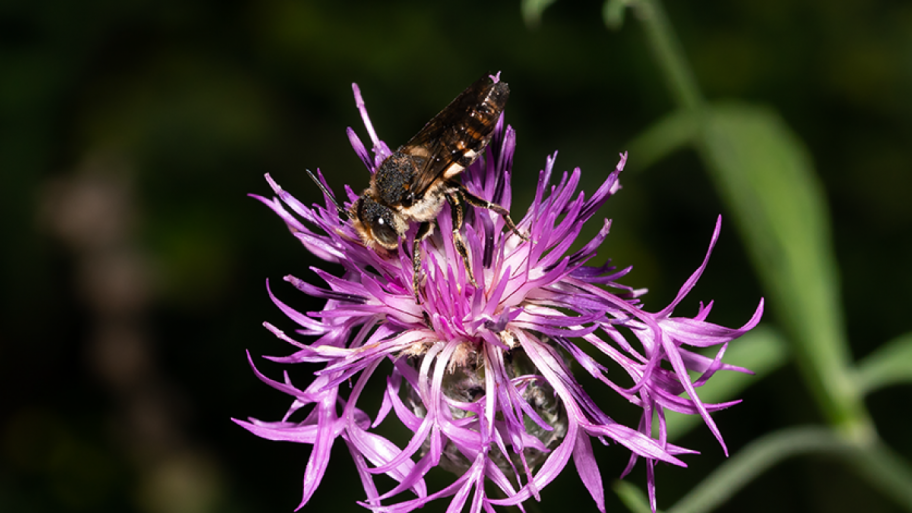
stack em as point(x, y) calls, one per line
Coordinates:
point(378, 224)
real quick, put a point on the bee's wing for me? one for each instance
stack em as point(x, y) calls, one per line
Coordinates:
point(458, 135)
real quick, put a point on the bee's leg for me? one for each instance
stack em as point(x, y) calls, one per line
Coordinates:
point(455, 201)
point(424, 231)
point(475, 201)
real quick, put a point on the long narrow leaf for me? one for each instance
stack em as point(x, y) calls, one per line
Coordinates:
point(764, 174)
point(632, 497)
point(888, 365)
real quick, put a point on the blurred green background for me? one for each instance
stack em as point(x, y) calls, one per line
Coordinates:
point(133, 265)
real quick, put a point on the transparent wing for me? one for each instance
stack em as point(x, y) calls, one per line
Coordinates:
point(456, 136)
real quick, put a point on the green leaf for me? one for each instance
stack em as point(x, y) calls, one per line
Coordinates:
point(613, 13)
point(763, 351)
point(672, 133)
point(532, 11)
point(632, 497)
point(764, 174)
point(888, 365)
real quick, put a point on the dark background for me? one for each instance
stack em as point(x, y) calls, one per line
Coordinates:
point(133, 265)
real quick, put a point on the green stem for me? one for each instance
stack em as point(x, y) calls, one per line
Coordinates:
point(669, 54)
point(755, 459)
point(875, 463)
point(885, 471)
point(821, 350)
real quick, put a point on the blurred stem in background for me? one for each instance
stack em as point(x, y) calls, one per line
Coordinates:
point(764, 174)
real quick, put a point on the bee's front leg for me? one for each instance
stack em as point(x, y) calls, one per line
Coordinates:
point(425, 230)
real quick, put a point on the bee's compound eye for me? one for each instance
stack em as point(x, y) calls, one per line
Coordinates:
point(379, 219)
point(384, 232)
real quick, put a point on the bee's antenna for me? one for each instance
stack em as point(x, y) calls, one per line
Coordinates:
point(328, 194)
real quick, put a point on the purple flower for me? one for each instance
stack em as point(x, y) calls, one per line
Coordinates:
point(482, 376)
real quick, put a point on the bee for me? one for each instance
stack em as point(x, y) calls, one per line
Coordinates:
point(412, 184)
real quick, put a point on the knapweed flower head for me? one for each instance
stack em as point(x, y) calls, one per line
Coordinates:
point(482, 377)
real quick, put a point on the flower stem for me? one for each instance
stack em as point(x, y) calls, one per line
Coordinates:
point(885, 471)
point(876, 464)
point(668, 53)
point(755, 459)
point(799, 298)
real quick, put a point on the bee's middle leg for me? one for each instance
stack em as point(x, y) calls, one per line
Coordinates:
point(475, 201)
point(455, 200)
